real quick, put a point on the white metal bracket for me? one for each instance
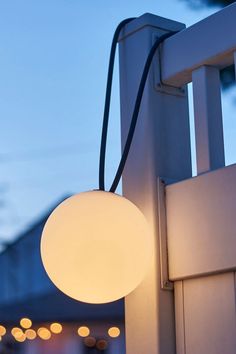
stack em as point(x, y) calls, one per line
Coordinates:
point(158, 83)
point(162, 231)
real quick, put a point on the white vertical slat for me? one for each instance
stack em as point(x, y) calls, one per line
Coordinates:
point(179, 317)
point(209, 312)
point(208, 119)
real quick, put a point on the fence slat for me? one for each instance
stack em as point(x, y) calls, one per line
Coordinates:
point(208, 119)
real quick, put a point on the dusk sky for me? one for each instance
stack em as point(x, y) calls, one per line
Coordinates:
point(53, 65)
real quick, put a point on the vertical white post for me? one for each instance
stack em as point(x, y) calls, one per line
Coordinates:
point(161, 147)
point(179, 318)
point(208, 119)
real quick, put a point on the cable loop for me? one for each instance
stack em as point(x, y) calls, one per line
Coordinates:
point(135, 111)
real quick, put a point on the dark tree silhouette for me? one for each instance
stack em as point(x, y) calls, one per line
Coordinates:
point(199, 3)
point(218, 2)
point(227, 76)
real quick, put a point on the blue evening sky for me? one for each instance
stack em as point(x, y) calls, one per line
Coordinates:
point(53, 65)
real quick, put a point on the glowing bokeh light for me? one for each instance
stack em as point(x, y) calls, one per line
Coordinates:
point(83, 331)
point(20, 337)
point(30, 334)
point(114, 332)
point(2, 330)
point(44, 333)
point(25, 323)
point(56, 328)
point(16, 330)
point(19, 334)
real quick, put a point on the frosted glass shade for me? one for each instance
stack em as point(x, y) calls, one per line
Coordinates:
point(96, 247)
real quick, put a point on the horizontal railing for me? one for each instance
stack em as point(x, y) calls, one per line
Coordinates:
point(211, 42)
point(197, 54)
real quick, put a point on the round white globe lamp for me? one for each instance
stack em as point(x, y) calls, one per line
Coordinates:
point(96, 247)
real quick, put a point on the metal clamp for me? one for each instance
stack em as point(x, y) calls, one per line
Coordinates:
point(166, 284)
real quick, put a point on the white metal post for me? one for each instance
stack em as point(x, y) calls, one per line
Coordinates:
point(208, 119)
point(161, 147)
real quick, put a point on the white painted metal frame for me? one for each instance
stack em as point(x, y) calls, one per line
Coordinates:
point(209, 42)
point(201, 224)
point(197, 54)
point(201, 227)
point(205, 291)
point(159, 148)
point(215, 47)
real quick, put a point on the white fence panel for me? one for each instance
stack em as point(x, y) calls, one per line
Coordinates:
point(211, 41)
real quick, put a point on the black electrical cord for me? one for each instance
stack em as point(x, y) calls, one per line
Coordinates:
point(107, 103)
point(135, 111)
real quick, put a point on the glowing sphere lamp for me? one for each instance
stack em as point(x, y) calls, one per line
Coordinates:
point(96, 247)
